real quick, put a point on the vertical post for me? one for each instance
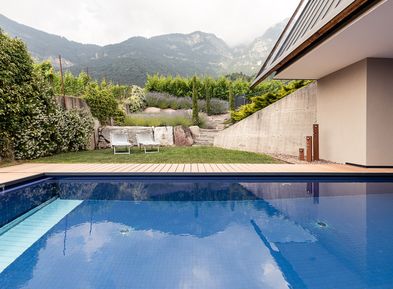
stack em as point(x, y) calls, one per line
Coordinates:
point(301, 154)
point(87, 71)
point(61, 77)
point(309, 148)
point(316, 142)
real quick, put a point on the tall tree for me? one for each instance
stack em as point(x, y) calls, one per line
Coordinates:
point(208, 93)
point(231, 97)
point(195, 117)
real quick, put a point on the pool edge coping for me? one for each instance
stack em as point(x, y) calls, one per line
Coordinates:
point(17, 182)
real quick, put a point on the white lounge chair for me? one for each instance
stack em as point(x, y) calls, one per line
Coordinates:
point(146, 140)
point(120, 140)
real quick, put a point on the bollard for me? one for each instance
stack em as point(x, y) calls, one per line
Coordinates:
point(309, 148)
point(301, 154)
point(316, 142)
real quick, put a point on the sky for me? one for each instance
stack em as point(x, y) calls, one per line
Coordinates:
point(111, 21)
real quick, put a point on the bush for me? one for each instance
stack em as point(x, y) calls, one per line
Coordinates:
point(61, 131)
point(31, 123)
point(162, 119)
point(271, 95)
point(217, 106)
point(103, 104)
point(158, 119)
point(219, 88)
point(136, 99)
point(164, 100)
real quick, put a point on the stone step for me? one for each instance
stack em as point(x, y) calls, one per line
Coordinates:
point(205, 130)
point(206, 137)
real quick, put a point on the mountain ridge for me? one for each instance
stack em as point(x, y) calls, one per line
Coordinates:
point(131, 60)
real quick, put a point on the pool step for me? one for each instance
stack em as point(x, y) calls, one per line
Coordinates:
point(22, 233)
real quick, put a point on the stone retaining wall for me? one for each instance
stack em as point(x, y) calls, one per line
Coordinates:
point(280, 128)
point(165, 135)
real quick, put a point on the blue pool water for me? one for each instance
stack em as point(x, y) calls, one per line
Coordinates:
point(106, 233)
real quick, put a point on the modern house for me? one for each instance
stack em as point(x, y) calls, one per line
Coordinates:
point(347, 46)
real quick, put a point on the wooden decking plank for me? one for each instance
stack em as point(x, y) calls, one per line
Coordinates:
point(149, 168)
point(180, 168)
point(165, 168)
point(201, 168)
point(227, 168)
point(194, 168)
point(173, 168)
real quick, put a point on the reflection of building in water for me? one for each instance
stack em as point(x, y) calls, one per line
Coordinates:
point(351, 246)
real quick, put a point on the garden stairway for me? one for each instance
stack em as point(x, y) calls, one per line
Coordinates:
point(206, 137)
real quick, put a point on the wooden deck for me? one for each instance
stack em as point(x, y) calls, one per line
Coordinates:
point(29, 170)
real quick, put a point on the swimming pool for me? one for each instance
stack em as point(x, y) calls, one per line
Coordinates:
point(232, 233)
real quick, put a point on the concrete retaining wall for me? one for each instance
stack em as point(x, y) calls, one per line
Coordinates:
point(279, 128)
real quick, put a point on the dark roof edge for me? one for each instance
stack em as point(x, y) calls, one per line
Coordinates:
point(281, 36)
point(349, 14)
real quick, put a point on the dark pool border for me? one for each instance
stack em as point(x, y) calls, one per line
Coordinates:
point(312, 176)
point(22, 181)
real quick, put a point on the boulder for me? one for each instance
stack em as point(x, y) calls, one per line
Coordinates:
point(164, 135)
point(152, 110)
point(183, 136)
point(169, 111)
point(94, 141)
point(195, 130)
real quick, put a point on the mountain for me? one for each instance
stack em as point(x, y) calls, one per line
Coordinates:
point(249, 58)
point(131, 60)
point(43, 46)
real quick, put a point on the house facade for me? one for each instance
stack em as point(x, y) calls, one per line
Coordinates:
point(347, 47)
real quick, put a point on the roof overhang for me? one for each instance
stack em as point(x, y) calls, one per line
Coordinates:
point(350, 36)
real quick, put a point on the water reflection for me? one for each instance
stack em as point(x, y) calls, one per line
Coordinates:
point(215, 235)
point(16, 202)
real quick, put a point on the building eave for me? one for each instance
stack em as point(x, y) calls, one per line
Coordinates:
point(346, 16)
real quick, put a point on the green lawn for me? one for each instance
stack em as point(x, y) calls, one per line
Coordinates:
point(166, 155)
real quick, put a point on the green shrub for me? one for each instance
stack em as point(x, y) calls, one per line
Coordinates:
point(217, 106)
point(31, 123)
point(103, 104)
point(164, 100)
point(271, 95)
point(133, 99)
point(144, 119)
point(183, 86)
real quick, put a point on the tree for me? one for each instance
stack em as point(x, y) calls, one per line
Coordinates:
point(231, 98)
point(195, 117)
point(208, 91)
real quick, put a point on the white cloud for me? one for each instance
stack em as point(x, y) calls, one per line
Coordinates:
point(104, 22)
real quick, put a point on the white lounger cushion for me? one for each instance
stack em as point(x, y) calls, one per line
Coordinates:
point(119, 139)
point(146, 140)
